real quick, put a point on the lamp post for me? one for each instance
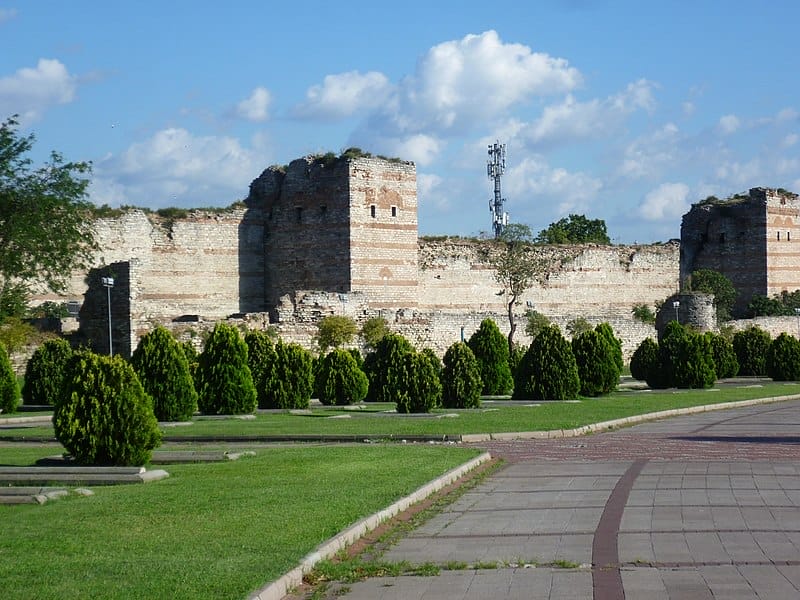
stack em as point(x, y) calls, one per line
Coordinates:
point(676, 305)
point(797, 313)
point(108, 283)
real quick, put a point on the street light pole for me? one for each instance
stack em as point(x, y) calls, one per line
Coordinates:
point(108, 283)
point(797, 312)
point(676, 305)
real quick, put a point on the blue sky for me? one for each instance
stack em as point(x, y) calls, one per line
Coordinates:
point(627, 111)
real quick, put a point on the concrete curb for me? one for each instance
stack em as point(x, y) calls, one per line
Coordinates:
point(632, 420)
point(284, 584)
point(14, 420)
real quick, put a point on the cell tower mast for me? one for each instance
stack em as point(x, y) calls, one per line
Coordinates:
point(495, 168)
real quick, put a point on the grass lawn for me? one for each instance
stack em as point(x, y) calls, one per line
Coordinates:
point(208, 531)
point(374, 421)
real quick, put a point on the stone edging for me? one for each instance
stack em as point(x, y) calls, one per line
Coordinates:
point(632, 420)
point(279, 588)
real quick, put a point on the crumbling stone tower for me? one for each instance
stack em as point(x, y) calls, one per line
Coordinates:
point(754, 240)
point(340, 225)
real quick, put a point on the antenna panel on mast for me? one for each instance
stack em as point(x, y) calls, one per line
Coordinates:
point(494, 169)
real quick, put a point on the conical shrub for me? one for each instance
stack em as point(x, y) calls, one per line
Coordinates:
point(45, 372)
point(161, 365)
point(262, 360)
point(461, 378)
point(9, 388)
point(339, 380)
point(597, 366)
point(783, 358)
point(225, 382)
point(644, 360)
point(292, 380)
point(490, 348)
point(548, 370)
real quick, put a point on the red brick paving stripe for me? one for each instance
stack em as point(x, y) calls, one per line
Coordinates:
point(606, 578)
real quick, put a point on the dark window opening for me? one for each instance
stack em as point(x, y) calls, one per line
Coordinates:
point(323, 210)
point(779, 236)
point(394, 211)
point(372, 210)
point(722, 238)
point(298, 213)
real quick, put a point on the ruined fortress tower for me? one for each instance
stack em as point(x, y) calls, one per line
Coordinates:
point(753, 239)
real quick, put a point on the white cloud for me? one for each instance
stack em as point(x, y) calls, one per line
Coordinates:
point(648, 155)
point(345, 94)
point(32, 90)
point(422, 149)
point(174, 168)
point(256, 106)
point(688, 108)
point(729, 124)
point(667, 202)
point(534, 178)
point(790, 140)
point(429, 191)
point(741, 174)
point(787, 114)
point(571, 119)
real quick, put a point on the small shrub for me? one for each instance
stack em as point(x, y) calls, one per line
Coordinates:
point(461, 378)
point(45, 372)
point(293, 378)
point(643, 313)
point(535, 322)
point(339, 380)
point(645, 360)
point(597, 368)
point(577, 326)
point(490, 348)
point(751, 347)
point(548, 370)
point(725, 363)
point(694, 366)
point(605, 330)
point(262, 360)
point(225, 381)
point(162, 368)
point(783, 358)
point(9, 388)
point(104, 416)
point(418, 387)
point(373, 331)
point(334, 331)
point(515, 358)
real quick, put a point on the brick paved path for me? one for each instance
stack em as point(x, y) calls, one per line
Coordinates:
point(703, 506)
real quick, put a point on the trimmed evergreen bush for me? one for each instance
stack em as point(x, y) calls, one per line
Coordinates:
point(597, 367)
point(461, 378)
point(751, 347)
point(645, 360)
point(548, 370)
point(384, 367)
point(292, 381)
point(783, 358)
point(9, 388)
point(490, 348)
point(725, 362)
point(104, 416)
point(418, 387)
point(670, 350)
point(262, 360)
point(339, 380)
point(694, 365)
point(605, 330)
point(45, 372)
point(192, 358)
point(225, 383)
point(162, 368)
point(515, 358)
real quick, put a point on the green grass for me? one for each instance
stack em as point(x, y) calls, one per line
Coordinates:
point(209, 530)
point(370, 422)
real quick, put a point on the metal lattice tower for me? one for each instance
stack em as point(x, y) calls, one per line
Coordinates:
point(495, 168)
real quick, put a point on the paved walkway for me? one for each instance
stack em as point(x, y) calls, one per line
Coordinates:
point(703, 506)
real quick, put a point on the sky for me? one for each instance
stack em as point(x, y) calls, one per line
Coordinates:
point(625, 111)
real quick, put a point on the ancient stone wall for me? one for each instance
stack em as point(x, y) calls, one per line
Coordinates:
point(753, 240)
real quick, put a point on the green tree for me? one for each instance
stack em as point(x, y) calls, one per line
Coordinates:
point(713, 282)
point(725, 362)
point(45, 372)
point(339, 380)
point(418, 387)
point(597, 368)
point(225, 383)
point(643, 313)
point(751, 347)
point(575, 229)
point(384, 367)
point(694, 367)
point(548, 370)
point(162, 368)
point(461, 378)
point(577, 326)
point(373, 330)
point(645, 360)
point(606, 331)
point(491, 351)
point(262, 360)
point(535, 322)
point(45, 225)
point(9, 388)
point(334, 331)
point(517, 266)
point(783, 358)
point(293, 381)
point(104, 416)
